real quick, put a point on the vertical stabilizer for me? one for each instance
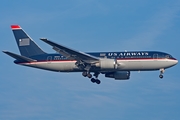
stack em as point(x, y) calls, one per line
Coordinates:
point(27, 46)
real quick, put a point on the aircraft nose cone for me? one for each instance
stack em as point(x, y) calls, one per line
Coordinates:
point(173, 62)
point(176, 62)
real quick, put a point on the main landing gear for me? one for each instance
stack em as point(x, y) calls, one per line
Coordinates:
point(161, 73)
point(87, 74)
point(93, 80)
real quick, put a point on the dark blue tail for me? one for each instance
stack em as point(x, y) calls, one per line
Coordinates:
point(27, 46)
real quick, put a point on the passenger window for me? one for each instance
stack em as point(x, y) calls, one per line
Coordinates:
point(56, 57)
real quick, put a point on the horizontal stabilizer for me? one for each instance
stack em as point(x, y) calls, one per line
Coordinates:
point(19, 57)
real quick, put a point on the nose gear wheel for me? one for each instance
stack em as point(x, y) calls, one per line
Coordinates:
point(161, 73)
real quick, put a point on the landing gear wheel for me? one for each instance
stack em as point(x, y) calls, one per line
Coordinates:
point(93, 80)
point(89, 75)
point(96, 74)
point(98, 81)
point(161, 76)
point(84, 74)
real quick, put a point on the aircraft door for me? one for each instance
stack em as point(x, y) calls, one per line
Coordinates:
point(49, 59)
point(155, 56)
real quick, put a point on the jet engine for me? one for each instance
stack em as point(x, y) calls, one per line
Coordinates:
point(107, 64)
point(119, 75)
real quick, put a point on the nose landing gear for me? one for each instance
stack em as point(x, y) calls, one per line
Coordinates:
point(161, 73)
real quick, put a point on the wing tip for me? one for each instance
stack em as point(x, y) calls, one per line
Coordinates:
point(4, 51)
point(13, 27)
point(44, 39)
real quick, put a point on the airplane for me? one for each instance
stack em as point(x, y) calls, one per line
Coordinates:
point(117, 65)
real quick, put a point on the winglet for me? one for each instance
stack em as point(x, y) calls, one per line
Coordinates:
point(14, 27)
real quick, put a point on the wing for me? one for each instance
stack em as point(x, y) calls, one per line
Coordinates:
point(70, 53)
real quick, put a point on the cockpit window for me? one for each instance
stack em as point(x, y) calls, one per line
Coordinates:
point(167, 56)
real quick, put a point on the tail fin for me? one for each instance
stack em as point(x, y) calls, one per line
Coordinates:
point(27, 46)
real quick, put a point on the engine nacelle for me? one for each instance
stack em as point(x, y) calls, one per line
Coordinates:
point(119, 75)
point(107, 64)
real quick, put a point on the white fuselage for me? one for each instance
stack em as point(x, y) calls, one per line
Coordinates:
point(123, 65)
